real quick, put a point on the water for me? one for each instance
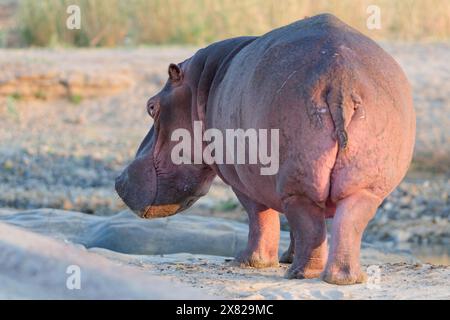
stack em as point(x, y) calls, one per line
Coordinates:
point(435, 254)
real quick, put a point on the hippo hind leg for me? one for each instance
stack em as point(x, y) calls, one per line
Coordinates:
point(263, 235)
point(307, 222)
point(352, 216)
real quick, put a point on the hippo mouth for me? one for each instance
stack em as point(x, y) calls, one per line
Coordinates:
point(166, 210)
point(159, 211)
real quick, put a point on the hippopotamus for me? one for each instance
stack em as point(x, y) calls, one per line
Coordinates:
point(344, 113)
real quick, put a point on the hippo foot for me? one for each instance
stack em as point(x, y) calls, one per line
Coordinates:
point(344, 276)
point(287, 257)
point(255, 260)
point(303, 273)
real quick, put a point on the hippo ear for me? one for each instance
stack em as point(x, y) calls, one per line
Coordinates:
point(175, 72)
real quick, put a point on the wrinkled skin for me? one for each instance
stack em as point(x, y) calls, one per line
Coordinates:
point(347, 125)
point(152, 185)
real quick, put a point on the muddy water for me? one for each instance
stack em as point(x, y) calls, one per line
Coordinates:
point(436, 254)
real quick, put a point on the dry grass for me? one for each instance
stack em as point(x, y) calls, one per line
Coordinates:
point(119, 22)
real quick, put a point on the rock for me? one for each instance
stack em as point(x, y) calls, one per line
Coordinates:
point(36, 267)
point(388, 206)
point(127, 233)
point(400, 235)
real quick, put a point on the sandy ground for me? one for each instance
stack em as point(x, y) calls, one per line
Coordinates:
point(123, 257)
point(217, 276)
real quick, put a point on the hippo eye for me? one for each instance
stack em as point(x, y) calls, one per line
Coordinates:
point(151, 109)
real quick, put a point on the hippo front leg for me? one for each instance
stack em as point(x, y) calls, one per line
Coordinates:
point(352, 216)
point(263, 235)
point(307, 223)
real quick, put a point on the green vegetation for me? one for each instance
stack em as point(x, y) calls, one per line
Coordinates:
point(75, 98)
point(11, 108)
point(40, 95)
point(16, 96)
point(227, 205)
point(133, 22)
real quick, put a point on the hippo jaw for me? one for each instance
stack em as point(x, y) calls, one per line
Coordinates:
point(166, 210)
point(159, 211)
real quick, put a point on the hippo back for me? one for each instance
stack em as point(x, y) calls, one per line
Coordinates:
point(342, 104)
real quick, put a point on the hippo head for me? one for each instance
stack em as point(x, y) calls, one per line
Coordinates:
point(152, 185)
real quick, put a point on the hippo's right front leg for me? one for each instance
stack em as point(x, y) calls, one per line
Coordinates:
point(263, 235)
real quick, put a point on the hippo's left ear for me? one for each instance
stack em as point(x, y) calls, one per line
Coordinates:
point(175, 72)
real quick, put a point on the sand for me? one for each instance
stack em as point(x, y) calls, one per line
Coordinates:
point(217, 276)
point(124, 257)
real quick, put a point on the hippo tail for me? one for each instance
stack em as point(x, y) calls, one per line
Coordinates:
point(342, 102)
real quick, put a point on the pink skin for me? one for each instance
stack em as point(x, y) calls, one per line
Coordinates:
point(346, 123)
point(347, 134)
point(307, 221)
point(352, 215)
point(263, 236)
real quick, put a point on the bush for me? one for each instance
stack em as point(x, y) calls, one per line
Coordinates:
point(121, 22)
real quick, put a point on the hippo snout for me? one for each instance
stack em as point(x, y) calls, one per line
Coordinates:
point(133, 201)
point(121, 185)
point(123, 190)
point(136, 186)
